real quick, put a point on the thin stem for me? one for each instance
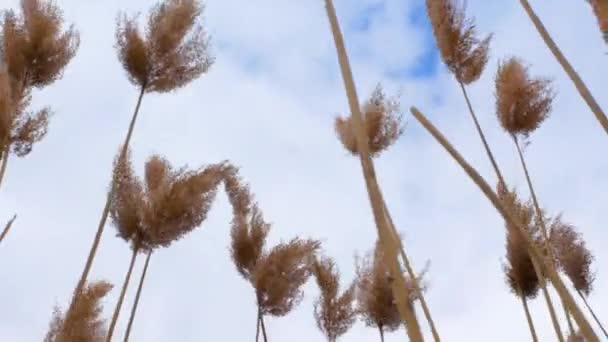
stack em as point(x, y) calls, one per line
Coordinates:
point(381, 334)
point(568, 319)
point(539, 214)
point(533, 250)
point(412, 275)
point(387, 240)
point(7, 227)
point(121, 298)
point(257, 326)
point(576, 79)
point(263, 327)
point(106, 210)
point(5, 155)
point(529, 318)
point(139, 288)
point(592, 313)
point(482, 135)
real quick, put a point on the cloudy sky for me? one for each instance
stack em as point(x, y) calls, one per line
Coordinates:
point(268, 105)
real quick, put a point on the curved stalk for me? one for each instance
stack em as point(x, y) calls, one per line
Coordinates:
point(412, 275)
point(563, 61)
point(137, 296)
point(387, 240)
point(121, 298)
point(263, 327)
point(529, 318)
point(545, 234)
point(592, 313)
point(7, 227)
point(535, 253)
point(106, 211)
point(5, 156)
point(482, 136)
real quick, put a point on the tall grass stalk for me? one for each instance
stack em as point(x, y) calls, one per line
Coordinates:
point(7, 227)
point(137, 296)
point(545, 235)
point(584, 92)
point(121, 298)
point(597, 320)
point(534, 251)
point(173, 53)
point(529, 317)
point(387, 238)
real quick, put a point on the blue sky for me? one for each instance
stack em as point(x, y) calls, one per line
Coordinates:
point(268, 105)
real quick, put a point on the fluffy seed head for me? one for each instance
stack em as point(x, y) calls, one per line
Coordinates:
point(280, 274)
point(334, 313)
point(519, 269)
point(572, 254)
point(169, 205)
point(174, 51)
point(84, 322)
point(35, 48)
point(248, 228)
point(522, 102)
point(383, 124)
point(464, 54)
point(375, 301)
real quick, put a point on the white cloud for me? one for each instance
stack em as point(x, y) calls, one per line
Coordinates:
point(275, 121)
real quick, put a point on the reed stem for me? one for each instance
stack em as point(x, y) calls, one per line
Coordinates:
point(539, 215)
point(533, 250)
point(592, 313)
point(106, 211)
point(563, 61)
point(137, 296)
point(121, 298)
point(7, 227)
point(387, 240)
point(529, 318)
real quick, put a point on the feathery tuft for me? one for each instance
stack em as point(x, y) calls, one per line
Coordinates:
point(334, 313)
point(519, 269)
point(464, 54)
point(249, 230)
point(375, 301)
point(280, 273)
point(168, 206)
point(175, 49)
point(383, 123)
point(572, 254)
point(35, 48)
point(522, 103)
point(84, 324)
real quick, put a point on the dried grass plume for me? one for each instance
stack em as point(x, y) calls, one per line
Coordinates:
point(383, 123)
point(464, 54)
point(277, 274)
point(375, 301)
point(522, 102)
point(34, 52)
point(166, 205)
point(334, 312)
point(572, 254)
point(85, 323)
point(173, 51)
point(519, 269)
point(34, 46)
